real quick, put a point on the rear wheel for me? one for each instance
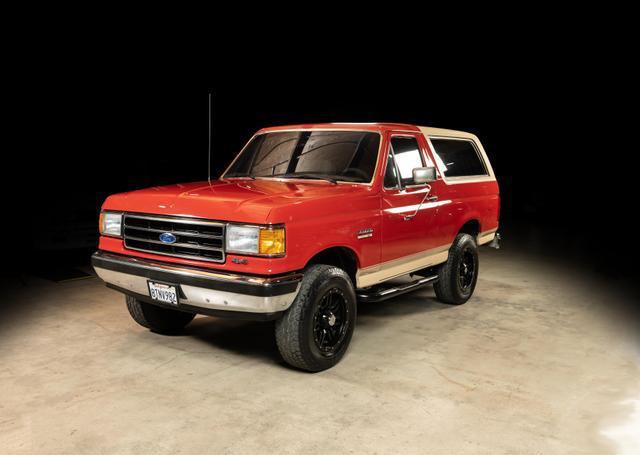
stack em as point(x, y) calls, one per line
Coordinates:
point(315, 331)
point(458, 276)
point(161, 320)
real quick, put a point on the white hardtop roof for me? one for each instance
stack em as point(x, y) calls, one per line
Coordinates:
point(431, 131)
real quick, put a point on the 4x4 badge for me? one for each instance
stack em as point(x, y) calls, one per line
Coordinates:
point(364, 233)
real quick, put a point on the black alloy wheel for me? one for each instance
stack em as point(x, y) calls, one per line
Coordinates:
point(330, 322)
point(466, 269)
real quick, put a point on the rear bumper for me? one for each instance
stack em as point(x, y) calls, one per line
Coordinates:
point(200, 290)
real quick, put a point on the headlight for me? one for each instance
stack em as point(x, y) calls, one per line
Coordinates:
point(259, 240)
point(111, 224)
point(243, 239)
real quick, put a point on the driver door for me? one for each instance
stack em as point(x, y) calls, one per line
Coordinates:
point(406, 225)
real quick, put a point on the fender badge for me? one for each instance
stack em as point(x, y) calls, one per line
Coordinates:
point(365, 233)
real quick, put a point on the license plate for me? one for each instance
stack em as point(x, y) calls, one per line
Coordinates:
point(163, 292)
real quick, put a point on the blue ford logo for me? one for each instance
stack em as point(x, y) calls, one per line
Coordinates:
point(167, 237)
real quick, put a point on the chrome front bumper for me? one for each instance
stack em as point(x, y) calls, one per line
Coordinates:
point(200, 290)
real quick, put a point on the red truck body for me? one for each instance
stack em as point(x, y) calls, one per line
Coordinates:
point(319, 215)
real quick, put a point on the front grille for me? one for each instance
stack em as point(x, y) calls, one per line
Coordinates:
point(195, 238)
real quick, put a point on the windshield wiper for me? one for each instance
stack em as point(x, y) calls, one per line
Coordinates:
point(302, 175)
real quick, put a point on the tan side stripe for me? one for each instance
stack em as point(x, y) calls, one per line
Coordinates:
point(486, 236)
point(401, 266)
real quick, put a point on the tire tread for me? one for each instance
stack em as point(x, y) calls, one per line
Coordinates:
point(446, 286)
point(289, 328)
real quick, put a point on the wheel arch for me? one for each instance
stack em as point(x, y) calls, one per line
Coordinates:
point(472, 227)
point(339, 256)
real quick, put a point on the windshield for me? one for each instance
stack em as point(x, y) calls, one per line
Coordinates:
point(332, 155)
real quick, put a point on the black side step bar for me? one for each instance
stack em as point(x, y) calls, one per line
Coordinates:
point(380, 293)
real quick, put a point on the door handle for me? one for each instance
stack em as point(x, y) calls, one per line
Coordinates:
point(426, 198)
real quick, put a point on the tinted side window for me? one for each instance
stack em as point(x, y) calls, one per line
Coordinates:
point(408, 156)
point(390, 175)
point(458, 158)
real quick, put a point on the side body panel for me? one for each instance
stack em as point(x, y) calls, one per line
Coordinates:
point(424, 240)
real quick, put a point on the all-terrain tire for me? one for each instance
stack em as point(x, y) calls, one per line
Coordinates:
point(299, 331)
point(157, 319)
point(450, 287)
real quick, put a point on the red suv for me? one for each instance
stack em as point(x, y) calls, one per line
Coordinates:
point(305, 222)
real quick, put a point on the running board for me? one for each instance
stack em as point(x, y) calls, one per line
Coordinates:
point(380, 293)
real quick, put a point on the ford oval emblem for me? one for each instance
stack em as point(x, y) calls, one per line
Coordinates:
point(167, 237)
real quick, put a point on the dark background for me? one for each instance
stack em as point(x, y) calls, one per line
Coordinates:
point(567, 186)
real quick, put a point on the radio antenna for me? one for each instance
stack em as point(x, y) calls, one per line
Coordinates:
point(210, 133)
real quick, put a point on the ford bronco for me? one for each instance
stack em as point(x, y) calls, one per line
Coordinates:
point(307, 221)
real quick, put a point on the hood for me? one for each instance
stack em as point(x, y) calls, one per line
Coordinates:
point(248, 201)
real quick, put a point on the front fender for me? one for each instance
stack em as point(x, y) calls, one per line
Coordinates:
point(314, 227)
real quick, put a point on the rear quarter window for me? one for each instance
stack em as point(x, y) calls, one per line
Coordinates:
point(458, 157)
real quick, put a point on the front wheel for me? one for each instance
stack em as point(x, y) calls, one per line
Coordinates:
point(458, 276)
point(315, 331)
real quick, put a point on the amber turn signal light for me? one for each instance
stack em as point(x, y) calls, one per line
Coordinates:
point(271, 241)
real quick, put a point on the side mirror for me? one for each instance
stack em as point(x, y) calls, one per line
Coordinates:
point(423, 175)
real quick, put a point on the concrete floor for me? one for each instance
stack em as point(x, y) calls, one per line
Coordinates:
point(538, 362)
